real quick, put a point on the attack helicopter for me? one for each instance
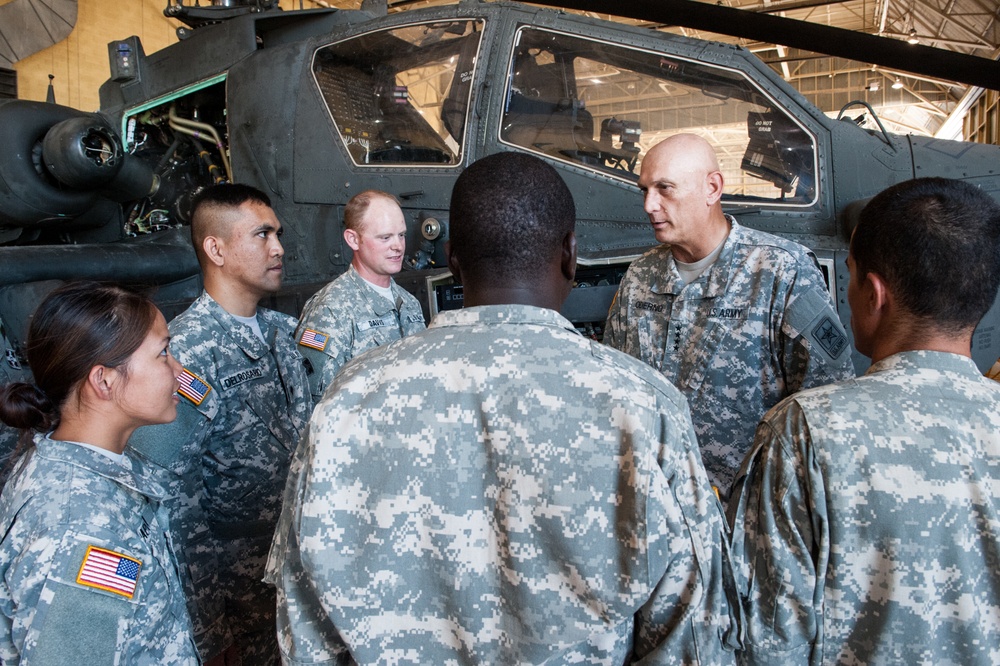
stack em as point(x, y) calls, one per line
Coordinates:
point(314, 106)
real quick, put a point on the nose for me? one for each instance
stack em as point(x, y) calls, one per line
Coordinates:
point(651, 202)
point(175, 366)
point(277, 250)
point(398, 243)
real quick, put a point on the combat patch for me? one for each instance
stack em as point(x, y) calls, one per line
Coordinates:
point(314, 339)
point(241, 377)
point(193, 387)
point(107, 570)
point(646, 305)
point(828, 336)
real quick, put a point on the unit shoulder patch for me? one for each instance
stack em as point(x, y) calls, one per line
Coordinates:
point(829, 336)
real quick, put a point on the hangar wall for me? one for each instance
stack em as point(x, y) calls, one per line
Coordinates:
point(80, 62)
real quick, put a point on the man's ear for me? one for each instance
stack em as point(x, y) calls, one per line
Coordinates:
point(714, 184)
point(452, 261)
point(352, 238)
point(877, 294)
point(568, 260)
point(214, 249)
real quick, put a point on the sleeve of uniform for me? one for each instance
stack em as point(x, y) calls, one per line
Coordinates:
point(693, 614)
point(815, 349)
point(780, 538)
point(55, 618)
point(175, 450)
point(325, 341)
point(305, 633)
point(617, 321)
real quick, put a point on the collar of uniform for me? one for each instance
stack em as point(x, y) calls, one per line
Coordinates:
point(379, 305)
point(716, 276)
point(236, 330)
point(134, 475)
point(501, 314)
point(926, 359)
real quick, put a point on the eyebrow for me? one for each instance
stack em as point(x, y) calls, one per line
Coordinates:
point(265, 227)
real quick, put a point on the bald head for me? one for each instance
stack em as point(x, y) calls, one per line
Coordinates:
point(682, 190)
point(687, 153)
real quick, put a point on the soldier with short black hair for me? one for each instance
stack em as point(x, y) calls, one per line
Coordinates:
point(498, 489)
point(245, 401)
point(866, 510)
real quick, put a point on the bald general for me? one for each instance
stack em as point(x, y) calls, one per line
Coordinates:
point(510, 215)
point(695, 154)
point(215, 208)
point(682, 189)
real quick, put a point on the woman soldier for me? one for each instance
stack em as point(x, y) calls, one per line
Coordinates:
point(86, 570)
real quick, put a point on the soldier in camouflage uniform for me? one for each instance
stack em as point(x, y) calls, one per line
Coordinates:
point(498, 489)
point(86, 564)
point(364, 307)
point(866, 510)
point(736, 318)
point(245, 402)
point(13, 368)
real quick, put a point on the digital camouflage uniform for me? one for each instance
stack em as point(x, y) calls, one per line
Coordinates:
point(226, 459)
point(13, 368)
point(347, 317)
point(757, 326)
point(495, 490)
point(870, 510)
point(86, 564)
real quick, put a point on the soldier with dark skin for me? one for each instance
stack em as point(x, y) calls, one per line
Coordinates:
point(499, 489)
point(865, 514)
point(245, 401)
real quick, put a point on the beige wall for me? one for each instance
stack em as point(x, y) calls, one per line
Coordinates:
point(80, 62)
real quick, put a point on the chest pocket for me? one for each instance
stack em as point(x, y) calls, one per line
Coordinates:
point(728, 351)
point(272, 411)
point(374, 331)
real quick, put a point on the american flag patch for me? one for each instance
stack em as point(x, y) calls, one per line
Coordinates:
point(192, 387)
point(314, 339)
point(108, 570)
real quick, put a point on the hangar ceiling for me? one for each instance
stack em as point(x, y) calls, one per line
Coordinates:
point(905, 102)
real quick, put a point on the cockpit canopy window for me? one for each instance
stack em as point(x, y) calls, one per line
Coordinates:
point(401, 96)
point(602, 106)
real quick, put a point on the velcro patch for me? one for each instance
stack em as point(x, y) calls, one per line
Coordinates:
point(108, 570)
point(727, 313)
point(241, 377)
point(314, 339)
point(828, 336)
point(374, 323)
point(193, 387)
